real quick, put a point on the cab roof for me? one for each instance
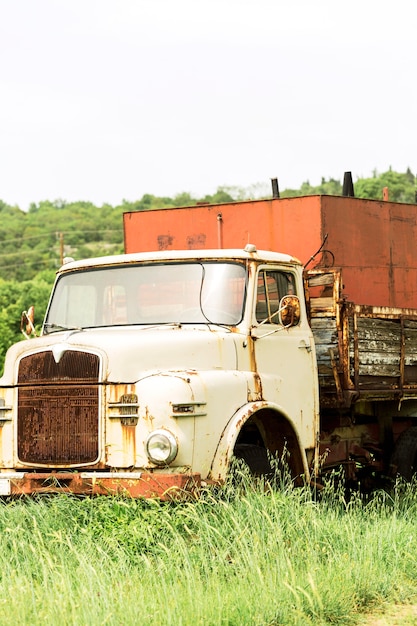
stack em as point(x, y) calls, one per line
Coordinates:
point(249, 253)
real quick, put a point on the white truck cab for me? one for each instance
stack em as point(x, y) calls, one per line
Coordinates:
point(153, 369)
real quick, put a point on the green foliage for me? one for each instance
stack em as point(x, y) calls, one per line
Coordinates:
point(242, 556)
point(331, 187)
point(16, 297)
point(401, 187)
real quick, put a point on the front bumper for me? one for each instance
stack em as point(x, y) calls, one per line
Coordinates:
point(133, 484)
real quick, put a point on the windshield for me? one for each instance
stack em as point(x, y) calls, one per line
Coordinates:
point(186, 293)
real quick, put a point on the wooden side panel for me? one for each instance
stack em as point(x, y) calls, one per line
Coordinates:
point(363, 352)
point(383, 352)
point(378, 346)
point(325, 338)
point(410, 350)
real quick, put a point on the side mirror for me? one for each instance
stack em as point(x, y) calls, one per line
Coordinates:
point(289, 311)
point(27, 322)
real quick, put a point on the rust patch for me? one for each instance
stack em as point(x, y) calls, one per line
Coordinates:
point(58, 426)
point(290, 314)
point(164, 242)
point(257, 393)
point(129, 441)
point(148, 417)
point(196, 242)
point(118, 391)
point(139, 485)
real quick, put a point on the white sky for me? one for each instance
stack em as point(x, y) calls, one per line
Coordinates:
point(104, 100)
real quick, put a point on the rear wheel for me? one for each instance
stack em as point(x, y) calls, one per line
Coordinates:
point(404, 456)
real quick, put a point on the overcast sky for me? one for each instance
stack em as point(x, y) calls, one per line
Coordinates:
point(105, 100)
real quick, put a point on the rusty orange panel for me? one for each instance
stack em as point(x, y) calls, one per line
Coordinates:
point(373, 242)
point(285, 225)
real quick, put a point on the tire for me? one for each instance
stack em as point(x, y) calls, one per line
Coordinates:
point(404, 456)
point(255, 457)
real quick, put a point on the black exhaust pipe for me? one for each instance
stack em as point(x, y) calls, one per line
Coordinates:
point(348, 185)
point(275, 188)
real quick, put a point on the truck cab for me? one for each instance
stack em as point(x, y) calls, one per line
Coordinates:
point(153, 370)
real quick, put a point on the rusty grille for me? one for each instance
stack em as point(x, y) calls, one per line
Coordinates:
point(58, 408)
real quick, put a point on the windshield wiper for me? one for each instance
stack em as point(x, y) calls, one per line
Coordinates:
point(49, 326)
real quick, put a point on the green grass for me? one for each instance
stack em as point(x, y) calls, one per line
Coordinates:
point(240, 556)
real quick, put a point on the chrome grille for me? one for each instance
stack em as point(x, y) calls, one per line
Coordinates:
point(58, 409)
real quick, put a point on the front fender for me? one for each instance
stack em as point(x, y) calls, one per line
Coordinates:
point(225, 448)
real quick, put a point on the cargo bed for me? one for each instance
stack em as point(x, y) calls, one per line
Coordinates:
point(363, 352)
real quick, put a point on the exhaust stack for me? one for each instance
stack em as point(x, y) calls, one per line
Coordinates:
point(275, 188)
point(348, 185)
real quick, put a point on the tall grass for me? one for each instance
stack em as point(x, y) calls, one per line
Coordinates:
point(241, 556)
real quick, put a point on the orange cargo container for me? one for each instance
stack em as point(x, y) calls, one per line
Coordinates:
point(372, 241)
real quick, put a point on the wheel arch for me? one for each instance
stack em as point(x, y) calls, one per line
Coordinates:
point(276, 431)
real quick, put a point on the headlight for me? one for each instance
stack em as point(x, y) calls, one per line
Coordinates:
point(161, 447)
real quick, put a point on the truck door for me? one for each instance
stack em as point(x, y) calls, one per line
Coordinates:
point(285, 356)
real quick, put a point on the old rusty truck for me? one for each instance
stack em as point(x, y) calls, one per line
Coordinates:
point(280, 328)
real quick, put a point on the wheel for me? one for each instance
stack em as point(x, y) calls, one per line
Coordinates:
point(404, 456)
point(255, 457)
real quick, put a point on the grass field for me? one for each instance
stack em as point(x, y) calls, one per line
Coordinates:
point(240, 556)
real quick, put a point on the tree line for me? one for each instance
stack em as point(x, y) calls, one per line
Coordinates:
point(33, 243)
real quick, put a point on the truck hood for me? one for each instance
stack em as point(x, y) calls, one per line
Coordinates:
point(129, 353)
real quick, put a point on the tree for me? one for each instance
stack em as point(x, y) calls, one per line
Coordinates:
point(401, 187)
point(17, 297)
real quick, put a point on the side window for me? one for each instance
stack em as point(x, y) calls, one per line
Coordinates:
point(272, 286)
